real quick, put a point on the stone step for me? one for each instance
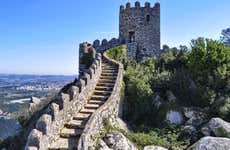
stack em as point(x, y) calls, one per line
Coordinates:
point(106, 84)
point(109, 74)
point(92, 106)
point(87, 111)
point(108, 77)
point(102, 92)
point(95, 102)
point(104, 88)
point(68, 133)
point(99, 97)
point(75, 124)
point(109, 68)
point(81, 116)
point(109, 71)
point(106, 81)
point(64, 144)
point(106, 64)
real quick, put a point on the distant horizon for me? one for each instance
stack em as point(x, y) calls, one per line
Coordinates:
point(28, 74)
point(42, 37)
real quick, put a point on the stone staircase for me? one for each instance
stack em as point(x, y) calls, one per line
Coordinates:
point(73, 129)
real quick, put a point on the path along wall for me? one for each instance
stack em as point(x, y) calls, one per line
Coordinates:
point(48, 126)
point(108, 110)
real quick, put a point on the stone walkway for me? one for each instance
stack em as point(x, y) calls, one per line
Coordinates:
point(73, 129)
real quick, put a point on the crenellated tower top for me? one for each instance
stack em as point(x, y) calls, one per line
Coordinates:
point(139, 27)
point(138, 5)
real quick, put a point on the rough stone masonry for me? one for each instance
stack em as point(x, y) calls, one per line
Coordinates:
point(139, 29)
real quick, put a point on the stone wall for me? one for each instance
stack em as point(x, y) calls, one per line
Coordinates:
point(132, 50)
point(48, 126)
point(108, 110)
point(101, 46)
point(141, 25)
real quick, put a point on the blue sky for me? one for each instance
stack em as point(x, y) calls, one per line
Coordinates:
point(42, 36)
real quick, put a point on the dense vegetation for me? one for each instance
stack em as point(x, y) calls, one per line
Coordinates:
point(117, 53)
point(198, 77)
point(225, 38)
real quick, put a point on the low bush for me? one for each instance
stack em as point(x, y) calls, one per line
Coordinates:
point(117, 53)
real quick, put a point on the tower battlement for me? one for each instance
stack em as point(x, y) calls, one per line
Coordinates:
point(138, 5)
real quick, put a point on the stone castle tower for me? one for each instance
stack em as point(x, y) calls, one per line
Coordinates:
point(139, 29)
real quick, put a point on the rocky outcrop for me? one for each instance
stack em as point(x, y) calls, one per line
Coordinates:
point(174, 117)
point(117, 141)
point(154, 148)
point(196, 117)
point(219, 127)
point(211, 143)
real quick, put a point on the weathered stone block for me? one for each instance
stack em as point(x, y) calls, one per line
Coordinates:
point(44, 123)
point(87, 78)
point(34, 138)
point(91, 72)
point(81, 84)
point(73, 92)
point(54, 110)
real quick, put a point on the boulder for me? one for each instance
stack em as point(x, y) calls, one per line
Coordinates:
point(117, 141)
point(174, 117)
point(154, 148)
point(219, 127)
point(195, 121)
point(211, 143)
point(196, 117)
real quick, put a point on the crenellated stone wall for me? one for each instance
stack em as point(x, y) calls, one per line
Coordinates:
point(110, 109)
point(48, 126)
point(100, 46)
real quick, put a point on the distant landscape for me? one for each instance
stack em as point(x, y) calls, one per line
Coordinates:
point(16, 90)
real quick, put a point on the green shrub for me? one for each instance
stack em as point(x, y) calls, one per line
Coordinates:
point(117, 53)
point(138, 92)
point(165, 137)
point(209, 61)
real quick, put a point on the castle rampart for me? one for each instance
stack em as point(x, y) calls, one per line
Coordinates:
point(61, 110)
point(108, 110)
